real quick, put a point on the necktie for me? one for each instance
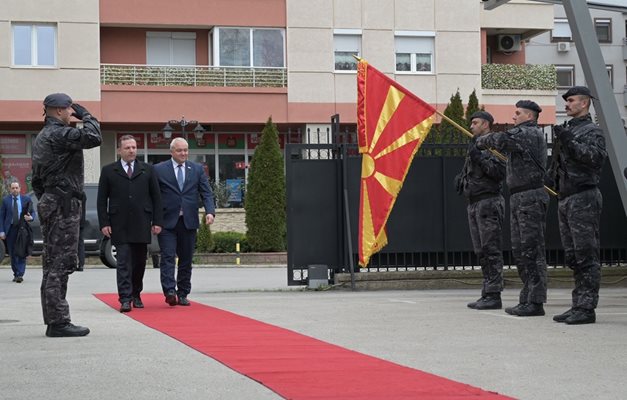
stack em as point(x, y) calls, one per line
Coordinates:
point(129, 170)
point(179, 176)
point(16, 214)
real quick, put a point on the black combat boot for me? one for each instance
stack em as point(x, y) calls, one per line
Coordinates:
point(581, 316)
point(514, 310)
point(531, 310)
point(562, 317)
point(66, 330)
point(473, 304)
point(491, 302)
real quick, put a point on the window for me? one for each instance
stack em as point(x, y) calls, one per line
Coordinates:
point(245, 47)
point(603, 26)
point(414, 52)
point(565, 76)
point(610, 74)
point(35, 45)
point(561, 31)
point(347, 43)
point(171, 48)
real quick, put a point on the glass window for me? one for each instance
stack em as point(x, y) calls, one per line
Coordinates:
point(414, 53)
point(561, 30)
point(565, 76)
point(34, 45)
point(346, 46)
point(245, 47)
point(603, 26)
point(170, 48)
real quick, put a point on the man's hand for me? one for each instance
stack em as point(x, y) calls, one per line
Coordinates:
point(3, 236)
point(27, 217)
point(106, 231)
point(474, 153)
point(481, 142)
point(79, 111)
point(209, 219)
point(562, 133)
point(156, 229)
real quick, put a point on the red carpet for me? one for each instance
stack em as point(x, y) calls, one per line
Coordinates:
point(293, 365)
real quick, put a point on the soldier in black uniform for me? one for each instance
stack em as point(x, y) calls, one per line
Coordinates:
point(58, 184)
point(480, 182)
point(578, 156)
point(525, 147)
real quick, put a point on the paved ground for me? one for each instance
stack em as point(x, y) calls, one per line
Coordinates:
point(527, 358)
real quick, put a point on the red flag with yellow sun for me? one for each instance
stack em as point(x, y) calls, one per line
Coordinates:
point(392, 123)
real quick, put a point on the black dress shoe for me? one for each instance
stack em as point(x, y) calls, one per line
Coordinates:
point(183, 301)
point(137, 302)
point(126, 306)
point(19, 279)
point(531, 310)
point(170, 298)
point(15, 279)
point(580, 316)
point(562, 317)
point(66, 330)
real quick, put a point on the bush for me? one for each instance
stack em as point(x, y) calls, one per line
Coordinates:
point(224, 242)
point(265, 194)
point(204, 239)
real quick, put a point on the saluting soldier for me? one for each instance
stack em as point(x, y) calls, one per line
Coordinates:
point(58, 178)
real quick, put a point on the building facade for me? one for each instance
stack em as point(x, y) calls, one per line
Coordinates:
point(558, 48)
point(214, 71)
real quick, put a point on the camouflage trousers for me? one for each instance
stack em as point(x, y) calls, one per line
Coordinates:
point(485, 219)
point(59, 258)
point(528, 226)
point(579, 220)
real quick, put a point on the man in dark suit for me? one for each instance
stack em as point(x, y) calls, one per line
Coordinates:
point(129, 210)
point(12, 207)
point(181, 182)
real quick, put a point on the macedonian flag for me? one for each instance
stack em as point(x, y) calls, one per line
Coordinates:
point(392, 123)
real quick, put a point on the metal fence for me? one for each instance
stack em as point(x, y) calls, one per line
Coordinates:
point(427, 229)
point(173, 75)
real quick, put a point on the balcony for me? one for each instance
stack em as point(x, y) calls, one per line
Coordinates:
point(199, 76)
point(504, 84)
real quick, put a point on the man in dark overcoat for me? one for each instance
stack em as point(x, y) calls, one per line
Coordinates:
point(129, 211)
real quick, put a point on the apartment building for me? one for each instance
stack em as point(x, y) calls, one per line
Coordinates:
point(214, 71)
point(557, 47)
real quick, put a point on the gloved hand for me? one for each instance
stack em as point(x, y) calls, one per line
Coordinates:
point(474, 153)
point(562, 133)
point(480, 141)
point(79, 111)
point(458, 184)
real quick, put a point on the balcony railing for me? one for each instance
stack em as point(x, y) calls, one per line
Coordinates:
point(172, 75)
point(518, 77)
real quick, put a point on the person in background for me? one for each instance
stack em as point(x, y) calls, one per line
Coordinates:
point(13, 206)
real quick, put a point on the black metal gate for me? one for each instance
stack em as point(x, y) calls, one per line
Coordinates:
point(428, 226)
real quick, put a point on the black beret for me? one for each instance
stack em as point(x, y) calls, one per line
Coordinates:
point(61, 100)
point(483, 115)
point(529, 105)
point(577, 90)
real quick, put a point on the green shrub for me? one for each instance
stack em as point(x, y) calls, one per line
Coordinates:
point(225, 242)
point(204, 239)
point(265, 194)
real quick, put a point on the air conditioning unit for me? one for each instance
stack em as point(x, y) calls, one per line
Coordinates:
point(563, 46)
point(507, 43)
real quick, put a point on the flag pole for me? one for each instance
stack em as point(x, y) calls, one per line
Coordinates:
point(496, 153)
